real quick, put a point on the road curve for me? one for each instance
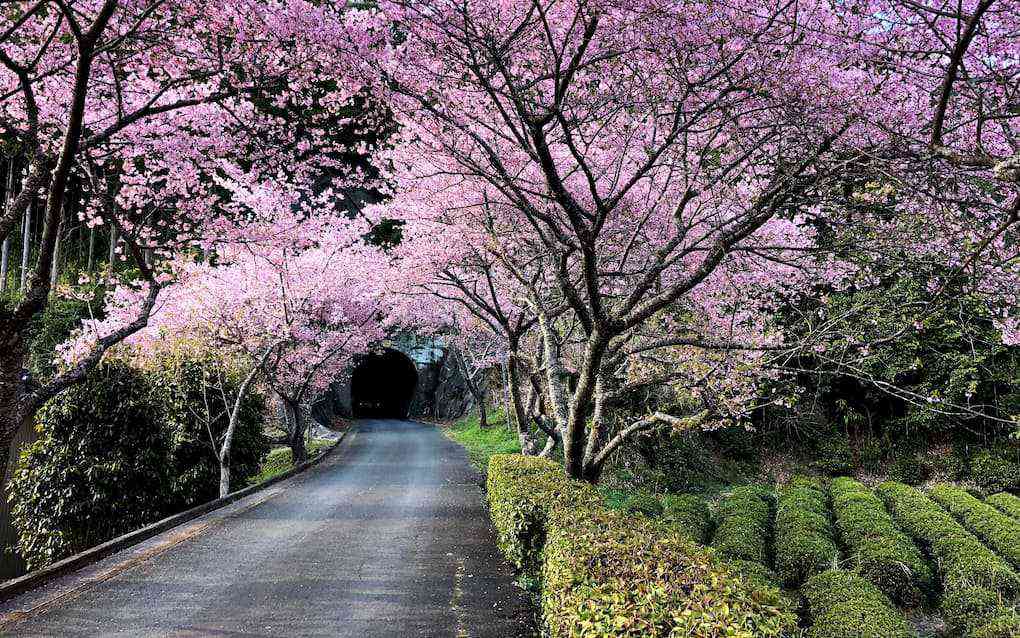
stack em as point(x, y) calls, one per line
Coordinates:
point(387, 537)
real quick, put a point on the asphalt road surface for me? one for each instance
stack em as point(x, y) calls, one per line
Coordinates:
point(387, 537)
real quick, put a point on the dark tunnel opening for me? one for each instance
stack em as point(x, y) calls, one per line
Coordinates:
point(382, 385)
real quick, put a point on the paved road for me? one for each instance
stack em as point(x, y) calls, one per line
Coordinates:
point(388, 537)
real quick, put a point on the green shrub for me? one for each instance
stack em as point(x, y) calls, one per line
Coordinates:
point(908, 468)
point(119, 451)
point(644, 504)
point(844, 605)
point(972, 576)
point(689, 514)
point(609, 575)
point(1004, 624)
point(743, 525)
point(197, 390)
point(995, 470)
point(1007, 503)
point(98, 470)
point(521, 491)
point(804, 537)
point(879, 550)
point(1001, 532)
point(834, 456)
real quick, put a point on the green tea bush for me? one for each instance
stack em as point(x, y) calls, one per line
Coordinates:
point(1004, 624)
point(608, 575)
point(878, 549)
point(521, 491)
point(842, 604)
point(743, 518)
point(1001, 532)
point(689, 514)
point(996, 470)
point(1007, 503)
point(804, 539)
point(974, 579)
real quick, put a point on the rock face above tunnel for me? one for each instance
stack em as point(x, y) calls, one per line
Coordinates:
point(439, 388)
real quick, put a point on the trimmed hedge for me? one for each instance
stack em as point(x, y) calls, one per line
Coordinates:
point(522, 491)
point(607, 574)
point(743, 530)
point(974, 579)
point(1005, 624)
point(998, 530)
point(879, 550)
point(689, 514)
point(804, 538)
point(1007, 504)
point(842, 604)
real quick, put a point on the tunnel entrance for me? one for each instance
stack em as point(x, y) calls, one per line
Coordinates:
point(382, 385)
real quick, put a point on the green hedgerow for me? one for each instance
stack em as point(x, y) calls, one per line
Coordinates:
point(522, 491)
point(608, 575)
point(1001, 532)
point(689, 514)
point(842, 604)
point(804, 538)
point(879, 550)
point(1004, 624)
point(972, 575)
point(1007, 503)
point(743, 524)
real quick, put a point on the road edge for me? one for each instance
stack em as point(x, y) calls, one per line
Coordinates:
point(32, 580)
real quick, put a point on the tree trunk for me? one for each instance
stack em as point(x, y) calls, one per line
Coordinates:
point(5, 252)
point(113, 252)
point(297, 437)
point(224, 475)
point(483, 418)
point(26, 246)
point(519, 412)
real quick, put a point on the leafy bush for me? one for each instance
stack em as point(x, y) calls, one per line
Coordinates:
point(641, 503)
point(281, 460)
point(879, 550)
point(1007, 503)
point(522, 491)
point(804, 537)
point(1004, 624)
point(844, 605)
point(119, 451)
point(98, 470)
point(609, 575)
point(974, 579)
point(1001, 532)
point(833, 456)
point(197, 389)
point(606, 574)
point(743, 525)
point(995, 470)
point(689, 514)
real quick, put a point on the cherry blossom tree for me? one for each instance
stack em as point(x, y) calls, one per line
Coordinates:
point(145, 102)
point(653, 175)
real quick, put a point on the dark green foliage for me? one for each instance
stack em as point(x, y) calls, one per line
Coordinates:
point(844, 605)
point(1006, 503)
point(1005, 623)
point(99, 469)
point(1001, 532)
point(121, 450)
point(907, 468)
point(996, 469)
point(804, 537)
point(878, 549)
point(51, 328)
point(689, 514)
point(743, 518)
point(972, 576)
point(833, 457)
point(643, 504)
point(197, 391)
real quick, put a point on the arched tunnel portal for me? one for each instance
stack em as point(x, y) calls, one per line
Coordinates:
point(383, 385)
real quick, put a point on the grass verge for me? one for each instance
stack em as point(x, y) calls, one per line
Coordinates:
point(482, 444)
point(281, 459)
